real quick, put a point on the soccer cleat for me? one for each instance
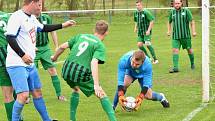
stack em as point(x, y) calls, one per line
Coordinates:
point(164, 101)
point(173, 70)
point(155, 62)
point(62, 98)
point(54, 120)
point(114, 108)
point(192, 66)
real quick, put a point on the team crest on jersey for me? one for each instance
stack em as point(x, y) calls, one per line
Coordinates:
point(183, 13)
point(137, 71)
point(44, 22)
point(143, 15)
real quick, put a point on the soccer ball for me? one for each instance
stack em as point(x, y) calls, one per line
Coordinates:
point(130, 104)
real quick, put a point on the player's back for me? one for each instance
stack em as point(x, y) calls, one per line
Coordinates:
point(84, 48)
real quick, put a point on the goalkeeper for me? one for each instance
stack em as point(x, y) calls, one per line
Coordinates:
point(135, 65)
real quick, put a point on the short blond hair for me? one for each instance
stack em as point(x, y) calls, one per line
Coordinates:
point(139, 55)
point(101, 27)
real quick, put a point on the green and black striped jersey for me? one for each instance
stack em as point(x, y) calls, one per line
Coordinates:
point(83, 48)
point(42, 37)
point(143, 19)
point(3, 42)
point(180, 20)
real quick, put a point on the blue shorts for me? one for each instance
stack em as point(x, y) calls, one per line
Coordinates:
point(24, 79)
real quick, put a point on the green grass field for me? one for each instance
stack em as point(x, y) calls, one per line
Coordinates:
point(183, 89)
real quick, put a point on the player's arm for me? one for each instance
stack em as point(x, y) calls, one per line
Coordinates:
point(95, 75)
point(55, 39)
point(59, 51)
point(150, 27)
point(53, 27)
point(193, 27)
point(169, 27)
point(135, 27)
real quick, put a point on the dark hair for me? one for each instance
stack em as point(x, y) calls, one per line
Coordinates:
point(101, 27)
point(26, 2)
point(139, 1)
point(139, 55)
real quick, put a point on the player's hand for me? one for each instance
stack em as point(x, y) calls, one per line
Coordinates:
point(147, 33)
point(138, 102)
point(68, 23)
point(122, 101)
point(27, 59)
point(98, 91)
point(194, 34)
point(168, 33)
point(53, 58)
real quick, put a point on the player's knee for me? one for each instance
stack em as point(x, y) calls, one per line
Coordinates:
point(175, 51)
point(139, 44)
point(76, 89)
point(37, 93)
point(190, 51)
point(23, 96)
point(8, 98)
point(102, 95)
point(52, 71)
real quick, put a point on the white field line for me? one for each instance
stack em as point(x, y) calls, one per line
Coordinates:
point(192, 114)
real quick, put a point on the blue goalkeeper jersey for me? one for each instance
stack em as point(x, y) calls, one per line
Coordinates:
point(143, 73)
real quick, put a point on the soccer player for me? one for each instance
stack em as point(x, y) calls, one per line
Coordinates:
point(21, 36)
point(80, 69)
point(5, 82)
point(180, 18)
point(43, 54)
point(144, 21)
point(135, 65)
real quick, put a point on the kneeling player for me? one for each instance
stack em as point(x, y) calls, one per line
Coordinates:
point(135, 65)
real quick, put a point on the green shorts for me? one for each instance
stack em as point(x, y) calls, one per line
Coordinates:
point(185, 43)
point(77, 75)
point(43, 54)
point(4, 77)
point(145, 39)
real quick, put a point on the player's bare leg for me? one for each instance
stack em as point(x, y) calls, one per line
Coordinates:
point(7, 92)
point(56, 83)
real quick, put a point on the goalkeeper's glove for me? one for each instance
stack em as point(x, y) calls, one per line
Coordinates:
point(138, 101)
point(122, 101)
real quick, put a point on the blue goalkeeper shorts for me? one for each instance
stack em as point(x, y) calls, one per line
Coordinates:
point(24, 79)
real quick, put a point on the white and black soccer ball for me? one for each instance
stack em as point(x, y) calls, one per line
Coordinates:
point(130, 104)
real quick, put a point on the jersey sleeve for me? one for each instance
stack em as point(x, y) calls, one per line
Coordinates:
point(148, 76)
point(121, 72)
point(149, 15)
point(135, 16)
point(49, 19)
point(170, 16)
point(189, 15)
point(13, 26)
point(100, 53)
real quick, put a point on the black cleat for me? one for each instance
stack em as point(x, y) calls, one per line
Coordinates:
point(164, 101)
point(54, 120)
point(173, 70)
point(192, 66)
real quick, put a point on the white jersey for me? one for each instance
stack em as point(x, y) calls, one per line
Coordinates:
point(24, 28)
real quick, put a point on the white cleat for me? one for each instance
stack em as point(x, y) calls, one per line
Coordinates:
point(155, 62)
point(164, 101)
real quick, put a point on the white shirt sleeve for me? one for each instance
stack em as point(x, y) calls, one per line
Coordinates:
point(13, 26)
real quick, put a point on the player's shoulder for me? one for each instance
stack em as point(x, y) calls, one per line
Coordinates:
point(4, 15)
point(46, 15)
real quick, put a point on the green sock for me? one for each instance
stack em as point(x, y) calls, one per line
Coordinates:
point(175, 60)
point(144, 50)
point(151, 49)
point(56, 84)
point(9, 109)
point(74, 100)
point(191, 56)
point(106, 105)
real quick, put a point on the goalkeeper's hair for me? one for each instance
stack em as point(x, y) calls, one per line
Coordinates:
point(101, 27)
point(139, 55)
point(139, 1)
